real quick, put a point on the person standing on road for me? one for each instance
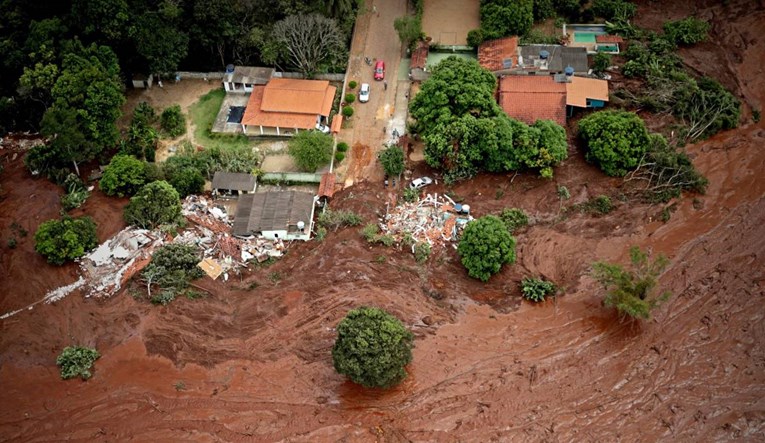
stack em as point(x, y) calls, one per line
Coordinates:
point(385, 85)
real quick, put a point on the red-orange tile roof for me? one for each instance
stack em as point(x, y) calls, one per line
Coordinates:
point(580, 89)
point(608, 39)
point(254, 116)
point(493, 53)
point(337, 123)
point(298, 96)
point(420, 55)
point(529, 98)
point(327, 185)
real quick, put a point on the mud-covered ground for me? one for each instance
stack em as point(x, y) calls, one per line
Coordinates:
point(252, 361)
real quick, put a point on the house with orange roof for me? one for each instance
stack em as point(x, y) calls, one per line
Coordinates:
point(583, 92)
point(285, 106)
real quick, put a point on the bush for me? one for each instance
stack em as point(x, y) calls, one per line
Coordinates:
point(350, 98)
point(63, 240)
point(421, 252)
point(370, 232)
point(392, 160)
point(514, 218)
point(155, 204)
point(172, 267)
point(409, 29)
point(372, 348)
point(339, 156)
point(485, 246)
point(631, 291)
point(616, 140)
point(76, 361)
point(347, 111)
point(600, 62)
point(342, 147)
point(310, 150)
point(352, 84)
point(173, 122)
point(411, 195)
point(475, 38)
point(613, 9)
point(123, 176)
point(330, 219)
point(535, 289)
point(602, 204)
point(187, 181)
point(687, 31)
point(76, 193)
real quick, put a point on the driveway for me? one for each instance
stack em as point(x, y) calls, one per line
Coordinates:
point(374, 122)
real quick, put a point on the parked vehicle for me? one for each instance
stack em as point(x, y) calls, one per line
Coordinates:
point(364, 93)
point(380, 70)
point(322, 128)
point(421, 182)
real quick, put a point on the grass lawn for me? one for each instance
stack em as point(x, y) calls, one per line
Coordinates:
point(203, 115)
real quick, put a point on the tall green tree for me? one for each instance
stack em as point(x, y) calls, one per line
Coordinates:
point(64, 240)
point(392, 160)
point(486, 245)
point(155, 204)
point(501, 18)
point(372, 348)
point(616, 140)
point(124, 175)
point(161, 41)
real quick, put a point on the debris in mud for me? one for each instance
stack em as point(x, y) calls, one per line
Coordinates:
point(435, 219)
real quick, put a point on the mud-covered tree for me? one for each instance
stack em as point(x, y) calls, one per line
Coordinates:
point(172, 268)
point(310, 150)
point(687, 31)
point(631, 291)
point(392, 160)
point(124, 175)
point(616, 140)
point(310, 43)
point(372, 348)
point(63, 240)
point(155, 204)
point(485, 246)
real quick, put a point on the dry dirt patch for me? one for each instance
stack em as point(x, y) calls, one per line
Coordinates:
point(448, 22)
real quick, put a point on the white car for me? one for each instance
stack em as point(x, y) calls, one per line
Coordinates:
point(364, 93)
point(420, 182)
point(322, 128)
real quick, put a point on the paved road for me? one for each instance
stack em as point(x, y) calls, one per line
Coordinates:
point(374, 121)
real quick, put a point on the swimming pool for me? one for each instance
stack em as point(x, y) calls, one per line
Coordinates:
point(585, 37)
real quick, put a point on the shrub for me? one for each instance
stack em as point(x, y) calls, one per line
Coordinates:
point(76, 361)
point(411, 195)
point(350, 98)
point(339, 156)
point(370, 232)
point(631, 291)
point(514, 218)
point(187, 181)
point(372, 348)
point(392, 160)
point(535, 289)
point(485, 246)
point(342, 147)
point(310, 150)
point(330, 219)
point(347, 111)
point(612, 9)
point(76, 193)
point(687, 31)
point(616, 140)
point(123, 176)
point(600, 62)
point(63, 240)
point(155, 204)
point(172, 267)
point(352, 84)
point(475, 38)
point(602, 204)
point(409, 29)
point(421, 252)
point(173, 122)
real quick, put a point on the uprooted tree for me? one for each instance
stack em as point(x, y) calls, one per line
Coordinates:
point(372, 348)
point(172, 268)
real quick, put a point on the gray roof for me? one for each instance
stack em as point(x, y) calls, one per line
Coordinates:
point(560, 57)
point(272, 211)
point(233, 181)
point(251, 75)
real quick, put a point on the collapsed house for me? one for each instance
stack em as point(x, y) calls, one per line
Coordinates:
point(435, 219)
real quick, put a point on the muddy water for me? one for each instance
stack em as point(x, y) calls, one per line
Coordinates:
point(252, 361)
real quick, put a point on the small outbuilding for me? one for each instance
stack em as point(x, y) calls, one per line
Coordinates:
point(232, 184)
point(141, 81)
point(242, 79)
point(285, 215)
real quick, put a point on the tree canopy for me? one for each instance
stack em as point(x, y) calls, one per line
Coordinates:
point(310, 150)
point(485, 246)
point(124, 175)
point(155, 204)
point(63, 240)
point(392, 160)
point(372, 348)
point(616, 140)
point(310, 43)
point(500, 18)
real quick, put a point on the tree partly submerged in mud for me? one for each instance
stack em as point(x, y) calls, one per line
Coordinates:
point(485, 246)
point(63, 240)
point(631, 291)
point(172, 268)
point(76, 361)
point(372, 348)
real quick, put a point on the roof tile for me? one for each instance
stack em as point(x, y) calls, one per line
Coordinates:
point(532, 98)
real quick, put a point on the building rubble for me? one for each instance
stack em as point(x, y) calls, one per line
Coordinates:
point(435, 219)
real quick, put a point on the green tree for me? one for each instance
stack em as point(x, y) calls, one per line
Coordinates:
point(103, 19)
point(124, 175)
point(485, 246)
point(687, 31)
point(600, 62)
point(501, 18)
point(172, 268)
point(616, 140)
point(63, 240)
point(392, 160)
point(372, 348)
point(159, 39)
point(173, 122)
point(543, 9)
point(631, 292)
point(310, 150)
point(614, 9)
point(76, 361)
point(155, 204)
point(67, 143)
point(409, 29)
point(552, 147)
point(187, 181)
point(142, 137)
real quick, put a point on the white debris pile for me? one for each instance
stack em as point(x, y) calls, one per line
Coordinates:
point(116, 260)
point(435, 219)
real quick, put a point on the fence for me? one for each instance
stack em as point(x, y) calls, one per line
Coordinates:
point(201, 75)
point(220, 75)
point(301, 177)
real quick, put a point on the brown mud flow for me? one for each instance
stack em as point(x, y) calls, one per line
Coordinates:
point(252, 362)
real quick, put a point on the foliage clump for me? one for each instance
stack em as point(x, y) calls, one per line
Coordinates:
point(392, 160)
point(172, 268)
point(536, 289)
point(485, 246)
point(63, 240)
point(124, 175)
point(76, 193)
point(616, 140)
point(76, 361)
point(422, 252)
point(155, 204)
point(631, 292)
point(173, 122)
point(310, 150)
point(334, 220)
point(372, 348)
point(514, 218)
point(687, 31)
